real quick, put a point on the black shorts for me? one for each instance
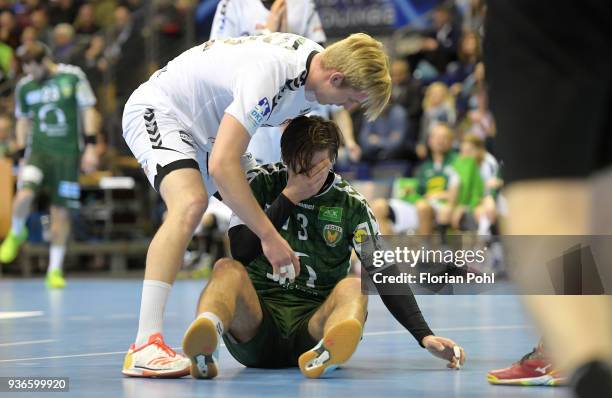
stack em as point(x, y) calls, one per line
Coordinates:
point(549, 70)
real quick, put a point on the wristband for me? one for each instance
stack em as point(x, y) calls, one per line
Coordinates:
point(91, 139)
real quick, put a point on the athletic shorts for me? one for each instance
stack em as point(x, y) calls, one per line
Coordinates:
point(406, 217)
point(270, 347)
point(160, 143)
point(549, 71)
point(56, 173)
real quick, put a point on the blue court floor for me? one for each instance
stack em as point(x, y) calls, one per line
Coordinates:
point(83, 332)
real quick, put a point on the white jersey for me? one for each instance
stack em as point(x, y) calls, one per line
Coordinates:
point(236, 18)
point(259, 80)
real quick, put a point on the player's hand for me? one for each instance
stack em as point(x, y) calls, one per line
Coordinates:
point(305, 185)
point(285, 264)
point(89, 161)
point(354, 151)
point(446, 349)
point(278, 14)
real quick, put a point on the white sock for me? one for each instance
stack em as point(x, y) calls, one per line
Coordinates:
point(56, 257)
point(214, 319)
point(484, 226)
point(152, 305)
point(17, 225)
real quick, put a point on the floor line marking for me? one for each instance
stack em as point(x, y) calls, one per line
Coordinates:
point(28, 342)
point(20, 314)
point(381, 333)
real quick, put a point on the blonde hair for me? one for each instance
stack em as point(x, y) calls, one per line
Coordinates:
point(448, 98)
point(365, 66)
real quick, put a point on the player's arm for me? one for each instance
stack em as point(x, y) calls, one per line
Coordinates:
point(343, 119)
point(22, 129)
point(245, 246)
point(224, 167)
point(86, 100)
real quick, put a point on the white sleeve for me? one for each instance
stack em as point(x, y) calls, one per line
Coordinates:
point(84, 94)
point(255, 87)
point(225, 22)
point(314, 27)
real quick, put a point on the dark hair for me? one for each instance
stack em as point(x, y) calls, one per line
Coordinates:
point(33, 52)
point(306, 135)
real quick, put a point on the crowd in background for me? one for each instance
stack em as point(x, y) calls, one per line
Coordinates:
point(438, 84)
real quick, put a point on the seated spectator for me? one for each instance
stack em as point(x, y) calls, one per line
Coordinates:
point(407, 93)
point(438, 107)
point(9, 32)
point(64, 48)
point(40, 21)
point(94, 63)
point(7, 69)
point(468, 57)
point(438, 47)
point(384, 138)
point(485, 208)
point(432, 197)
point(85, 23)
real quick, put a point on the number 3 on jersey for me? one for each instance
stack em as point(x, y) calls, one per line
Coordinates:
point(302, 224)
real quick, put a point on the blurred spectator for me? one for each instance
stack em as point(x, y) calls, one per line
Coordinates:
point(40, 21)
point(438, 106)
point(9, 33)
point(85, 24)
point(63, 11)
point(385, 137)
point(28, 35)
point(468, 57)
point(126, 55)
point(438, 182)
point(7, 144)
point(94, 63)
point(169, 23)
point(5, 5)
point(407, 93)
point(438, 47)
point(64, 48)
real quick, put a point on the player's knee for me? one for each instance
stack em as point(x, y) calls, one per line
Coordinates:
point(191, 209)
point(225, 266)
point(423, 207)
point(349, 286)
point(380, 208)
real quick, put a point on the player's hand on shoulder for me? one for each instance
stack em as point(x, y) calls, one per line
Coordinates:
point(446, 349)
point(303, 186)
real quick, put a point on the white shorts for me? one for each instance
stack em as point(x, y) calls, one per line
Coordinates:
point(406, 216)
point(160, 143)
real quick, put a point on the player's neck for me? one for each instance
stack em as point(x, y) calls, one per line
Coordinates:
point(316, 76)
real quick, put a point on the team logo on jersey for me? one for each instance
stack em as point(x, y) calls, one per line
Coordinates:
point(361, 235)
point(333, 214)
point(332, 234)
point(260, 111)
point(66, 89)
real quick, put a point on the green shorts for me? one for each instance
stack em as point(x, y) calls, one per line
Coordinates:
point(57, 173)
point(271, 347)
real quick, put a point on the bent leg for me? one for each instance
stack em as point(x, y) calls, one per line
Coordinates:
point(339, 324)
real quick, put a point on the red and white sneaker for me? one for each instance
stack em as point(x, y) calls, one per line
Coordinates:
point(534, 369)
point(155, 359)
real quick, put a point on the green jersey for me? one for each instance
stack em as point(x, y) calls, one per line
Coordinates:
point(322, 230)
point(435, 177)
point(53, 107)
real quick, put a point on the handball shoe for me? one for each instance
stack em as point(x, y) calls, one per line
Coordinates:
point(534, 369)
point(155, 359)
point(201, 346)
point(336, 347)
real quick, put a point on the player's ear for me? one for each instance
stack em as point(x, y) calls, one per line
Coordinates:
point(336, 79)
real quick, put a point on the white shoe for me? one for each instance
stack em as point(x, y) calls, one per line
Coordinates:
point(155, 359)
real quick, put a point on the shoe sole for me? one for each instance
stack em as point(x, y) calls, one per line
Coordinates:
point(155, 374)
point(199, 344)
point(546, 380)
point(339, 343)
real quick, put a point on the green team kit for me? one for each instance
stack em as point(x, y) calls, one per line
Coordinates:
point(322, 230)
point(53, 151)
